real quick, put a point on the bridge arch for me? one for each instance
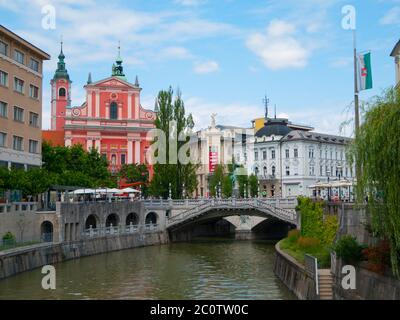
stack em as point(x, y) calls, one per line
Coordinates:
point(133, 218)
point(112, 219)
point(151, 218)
point(92, 221)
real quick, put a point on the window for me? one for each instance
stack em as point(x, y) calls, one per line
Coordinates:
point(4, 78)
point(17, 143)
point(33, 146)
point(34, 65)
point(18, 114)
point(61, 92)
point(113, 111)
point(311, 153)
point(3, 139)
point(312, 170)
point(331, 155)
point(123, 159)
point(33, 119)
point(341, 155)
point(287, 171)
point(256, 171)
point(273, 154)
point(3, 48)
point(320, 153)
point(33, 91)
point(287, 153)
point(331, 171)
point(296, 153)
point(19, 56)
point(265, 172)
point(326, 154)
point(3, 109)
point(256, 155)
point(320, 170)
point(19, 85)
point(104, 156)
point(264, 155)
point(273, 170)
point(326, 171)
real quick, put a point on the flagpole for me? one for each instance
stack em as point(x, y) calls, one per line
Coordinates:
point(356, 103)
point(356, 106)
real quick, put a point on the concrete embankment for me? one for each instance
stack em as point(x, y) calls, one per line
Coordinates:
point(27, 258)
point(294, 275)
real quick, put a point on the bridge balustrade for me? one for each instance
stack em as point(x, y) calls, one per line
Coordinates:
point(115, 230)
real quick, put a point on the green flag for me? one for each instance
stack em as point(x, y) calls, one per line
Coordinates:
point(364, 71)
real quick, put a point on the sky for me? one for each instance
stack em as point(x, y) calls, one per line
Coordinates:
point(224, 56)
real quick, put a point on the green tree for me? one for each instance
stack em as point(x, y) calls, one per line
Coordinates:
point(253, 184)
point(216, 180)
point(136, 173)
point(377, 148)
point(243, 181)
point(173, 122)
point(227, 187)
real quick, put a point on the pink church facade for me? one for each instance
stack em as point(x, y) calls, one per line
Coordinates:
point(111, 119)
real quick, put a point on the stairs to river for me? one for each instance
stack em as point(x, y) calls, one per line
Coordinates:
point(325, 284)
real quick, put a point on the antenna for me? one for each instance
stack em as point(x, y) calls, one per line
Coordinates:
point(266, 102)
point(61, 41)
point(275, 111)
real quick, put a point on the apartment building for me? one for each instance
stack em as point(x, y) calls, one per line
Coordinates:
point(21, 75)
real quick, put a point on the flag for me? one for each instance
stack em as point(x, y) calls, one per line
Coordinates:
point(364, 71)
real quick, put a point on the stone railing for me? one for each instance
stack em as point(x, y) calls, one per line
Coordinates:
point(18, 207)
point(116, 230)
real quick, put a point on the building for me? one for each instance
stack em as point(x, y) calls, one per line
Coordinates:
point(289, 158)
point(21, 74)
point(219, 145)
point(396, 55)
point(111, 119)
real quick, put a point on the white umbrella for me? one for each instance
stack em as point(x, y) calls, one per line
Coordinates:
point(83, 191)
point(130, 190)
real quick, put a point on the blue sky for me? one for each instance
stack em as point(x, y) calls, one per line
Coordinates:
point(223, 55)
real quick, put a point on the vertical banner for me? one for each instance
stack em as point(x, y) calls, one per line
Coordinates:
point(212, 158)
point(364, 71)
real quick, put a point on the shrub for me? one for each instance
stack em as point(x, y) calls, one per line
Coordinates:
point(307, 242)
point(378, 257)
point(293, 235)
point(331, 225)
point(9, 238)
point(348, 249)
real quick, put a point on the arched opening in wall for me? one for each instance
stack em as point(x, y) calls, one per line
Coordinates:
point(91, 222)
point(272, 229)
point(61, 92)
point(113, 110)
point(113, 219)
point(132, 218)
point(46, 231)
point(151, 218)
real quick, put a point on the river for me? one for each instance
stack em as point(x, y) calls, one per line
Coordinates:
point(206, 269)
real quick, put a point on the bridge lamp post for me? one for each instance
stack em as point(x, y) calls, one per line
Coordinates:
point(219, 189)
point(169, 191)
point(329, 193)
point(245, 191)
point(183, 191)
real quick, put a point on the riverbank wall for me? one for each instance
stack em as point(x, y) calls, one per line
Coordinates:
point(24, 259)
point(294, 275)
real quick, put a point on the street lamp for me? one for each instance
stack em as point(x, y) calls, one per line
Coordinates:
point(169, 191)
point(219, 189)
point(183, 191)
point(245, 191)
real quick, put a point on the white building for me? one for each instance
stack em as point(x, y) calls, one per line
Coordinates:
point(289, 158)
point(396, 55)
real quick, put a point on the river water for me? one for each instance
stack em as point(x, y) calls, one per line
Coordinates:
point(206, 269)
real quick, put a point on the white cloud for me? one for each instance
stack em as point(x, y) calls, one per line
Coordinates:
point(206, 67)
point(278, 48)
point(190, 2)
point(175, 52)
point(341, 62)
point(391, 17)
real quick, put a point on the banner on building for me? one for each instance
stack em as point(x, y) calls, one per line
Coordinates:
point(212, 158)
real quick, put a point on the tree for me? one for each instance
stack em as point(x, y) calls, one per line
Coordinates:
point(377, 148)
point(253, 184)
point(243, 185)
point(227, 187)
point(172, 121)
point(216, 180)
point(136, 173)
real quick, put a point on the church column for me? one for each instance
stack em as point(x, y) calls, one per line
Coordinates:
point(97, 144)
point(137, 151)
point(97, 114)
point(89, 104)
point(137, 106)
point(129, 106)
point(129, 159)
